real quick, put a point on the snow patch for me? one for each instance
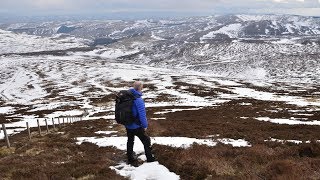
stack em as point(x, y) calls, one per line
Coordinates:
point(177, 142)
point(24, 43)
point(253, 73)
point(267, 96)
point(231, 30)
point(146, 171)
point(291, 121)
point(107, 53)
point(106, 132)
point(157, 37)
point(6, 110)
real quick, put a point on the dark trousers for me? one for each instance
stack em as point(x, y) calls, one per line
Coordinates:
point(144, 138)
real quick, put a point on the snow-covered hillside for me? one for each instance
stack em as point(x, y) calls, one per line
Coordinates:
point(269, 47)
point(241, 25)
point(235, 72)
point(22, 43)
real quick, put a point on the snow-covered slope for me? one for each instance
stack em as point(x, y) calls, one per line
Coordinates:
point(188, 64)
point(22, 43)
point(281, 47)
point(241, 25)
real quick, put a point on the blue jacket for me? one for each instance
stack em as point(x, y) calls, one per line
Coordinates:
point(139, 111)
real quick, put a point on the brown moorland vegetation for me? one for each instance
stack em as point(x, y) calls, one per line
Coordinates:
point(57, 156)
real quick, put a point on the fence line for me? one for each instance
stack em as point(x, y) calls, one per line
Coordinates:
point(28, 129)
point(39, 127)
point(54, 126)
point(6, 135)
point(69, 120)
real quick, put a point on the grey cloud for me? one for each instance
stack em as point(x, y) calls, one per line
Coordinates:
point(102, 6)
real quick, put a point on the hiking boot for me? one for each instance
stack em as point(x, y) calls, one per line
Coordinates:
point(133, 162)
point(152, 159)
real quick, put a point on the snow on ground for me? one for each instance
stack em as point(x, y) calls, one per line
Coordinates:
point(11, 132)
point(65, 113)
point(291, 121)
point(291, 141)
point(106, 132)
point(267, 96)
point(146, 171)
point(50, 83)
point(107, 53)
point(5, 110)
point(30, 90)
point(231, 30)
point(153, 170)
point(156, 37)
point(24, 43)
point(177, 142)
point(283, 141)
point(234, 142)
point(175, 110)
point(16, 127)
point(286, 41)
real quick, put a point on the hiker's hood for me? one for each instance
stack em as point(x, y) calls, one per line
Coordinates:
point(136, 93)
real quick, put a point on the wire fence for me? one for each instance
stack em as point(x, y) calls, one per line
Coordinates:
point(55, 122)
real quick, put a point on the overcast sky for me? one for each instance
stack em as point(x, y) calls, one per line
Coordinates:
point(192, 7)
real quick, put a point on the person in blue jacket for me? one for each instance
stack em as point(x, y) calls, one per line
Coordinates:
point(138, 128)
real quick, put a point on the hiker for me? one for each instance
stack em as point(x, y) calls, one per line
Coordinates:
point(139, 124)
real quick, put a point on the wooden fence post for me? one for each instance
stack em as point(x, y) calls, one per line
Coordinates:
point(59, 122)
point(63, 121)
point(28, 129)
point(47, 125)
point(6, 135)
point(54, 126)
point(39, 128)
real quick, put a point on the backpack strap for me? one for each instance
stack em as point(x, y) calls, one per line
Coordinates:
point(137, 121)
point(133, 97)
